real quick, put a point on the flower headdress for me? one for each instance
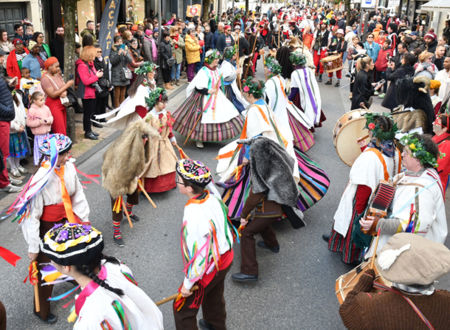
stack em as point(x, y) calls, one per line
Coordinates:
point(145, 68)
point(154, 97)
point(297, 58)
point(272, 65)
point(211, 55)
point(375, 128)
point(253, 87)
point(229, 52)
point(415, 144)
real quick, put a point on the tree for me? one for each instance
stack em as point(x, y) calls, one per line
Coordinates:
point(205, 10)
point(347, 9)
point(69, 7)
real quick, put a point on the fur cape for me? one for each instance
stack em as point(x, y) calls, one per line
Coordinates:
point(126, 159)
point(271, 171)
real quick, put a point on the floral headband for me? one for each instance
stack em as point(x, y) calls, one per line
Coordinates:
point(145, 68)
point(418, 150)
point(254, 87)
point(272, 65)
point(297, 58)
point(229, 52)
point(375, 128)
point(155, 96)
point(211, 55)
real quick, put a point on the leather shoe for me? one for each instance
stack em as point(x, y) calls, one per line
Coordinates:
point(97, 125)
point(51, 318)
point(326, 237)
point(241, 277)
point(90, 136)
point(134, 218)
point(263, 245)
point(95, 133)
point(205, 325)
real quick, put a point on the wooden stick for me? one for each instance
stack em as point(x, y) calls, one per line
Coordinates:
point(145, 194)
point(251, 60)
point(36, 298)
point(238, 77)
point(362, 138)
point(126, 213)
point(372, 262)
point(172, 297)
point(193, 128)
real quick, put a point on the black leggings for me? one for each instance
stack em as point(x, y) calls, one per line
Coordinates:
point(166, 75)
point(88, 112)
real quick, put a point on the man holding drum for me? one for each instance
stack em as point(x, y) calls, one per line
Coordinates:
point(338, 46)
point(319, 45)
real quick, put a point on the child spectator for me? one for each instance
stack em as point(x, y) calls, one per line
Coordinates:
point(40, 121)
point(18, 146)
point(28, 85)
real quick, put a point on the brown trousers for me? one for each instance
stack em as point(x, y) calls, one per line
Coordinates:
point(2, 317)
point(119, 95)
point(45, 292)
point(249, 265)
point(213, 306)
point(131, 199)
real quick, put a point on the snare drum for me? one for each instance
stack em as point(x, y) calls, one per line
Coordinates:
point(345, 283)
point(332, 63)
point(348, 129)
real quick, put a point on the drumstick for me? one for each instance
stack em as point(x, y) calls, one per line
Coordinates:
point(126, 213)
point(172, 297)
point(372, 263)
point(145, 194)
point(362, 138)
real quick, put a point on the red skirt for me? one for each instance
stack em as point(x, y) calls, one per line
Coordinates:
point(161, 183)
point(59, 115)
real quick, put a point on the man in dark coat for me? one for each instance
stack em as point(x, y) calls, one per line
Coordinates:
point(57, 46)
point(225, 40)
point(6, 116)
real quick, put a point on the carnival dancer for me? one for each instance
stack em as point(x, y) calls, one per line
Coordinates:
point(159, 175)
point(53, 195)
point(320, 46)
point(124, 164)
point(380, 160)
point(305, 93)
point(271, 189)
point(418, 204)
point(413, 264)
point(133, 107)
point(291, 119)
point(109, 297)
point(207, 248)
point(229, 73)
point(207, 115)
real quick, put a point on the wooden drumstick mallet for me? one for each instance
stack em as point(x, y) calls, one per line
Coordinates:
point(33, 273)
point(145, 194)
point(172, 297)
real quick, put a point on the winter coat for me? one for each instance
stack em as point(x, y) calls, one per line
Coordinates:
point(221, 42)
point(362, 90)
point(165, 52)
point(382, 62)
point(57, 49)
point(12, 67)
point(86, 75)
point(390, 100)
point(6, 102)
point(149, 50)
point(192, 49)
point(39, 119)
point(178, 51)
point(118, 63)
point(431, 47)
point(209, 41)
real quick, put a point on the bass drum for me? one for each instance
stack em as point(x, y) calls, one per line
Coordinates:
point(348, 129)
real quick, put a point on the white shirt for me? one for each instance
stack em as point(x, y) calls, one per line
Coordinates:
point(444, 77)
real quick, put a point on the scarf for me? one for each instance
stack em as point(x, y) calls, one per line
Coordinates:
point(386, 147)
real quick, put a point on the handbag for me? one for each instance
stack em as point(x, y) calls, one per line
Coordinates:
point(171, 62)
point(64, 100)
point(127, 72)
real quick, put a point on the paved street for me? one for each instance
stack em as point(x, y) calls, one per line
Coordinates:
point(295, 288)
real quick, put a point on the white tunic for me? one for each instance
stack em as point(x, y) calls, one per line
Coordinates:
point(310, 99)
point(228, 72)
point(366, 170)
point(431, 208)
point(140, 310)
point(49, 195)
point(197, 229)
point(216, 107)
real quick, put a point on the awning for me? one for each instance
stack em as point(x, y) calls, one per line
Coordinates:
point(436, 4)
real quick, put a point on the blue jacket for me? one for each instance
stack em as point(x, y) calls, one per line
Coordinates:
point(32, 63)
point(6, 102)
point(372, 50)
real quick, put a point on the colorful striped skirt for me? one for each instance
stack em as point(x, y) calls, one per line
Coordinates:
point(314, 182)
point(18, 145)
point(303, 138)
point(236, 192)
point(188, 122)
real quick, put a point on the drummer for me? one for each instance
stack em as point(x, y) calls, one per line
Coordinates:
point(412, 302)
point(418, 204)
point(337, 46)
point(380, 160)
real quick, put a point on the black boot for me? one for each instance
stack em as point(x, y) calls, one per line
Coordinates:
point(338, 83)
point(329, 82)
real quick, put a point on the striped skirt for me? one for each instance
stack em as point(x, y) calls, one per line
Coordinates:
point(303, 138)
point(314, 182)
point(18, 145)
point(236, 192)
point(188, 122)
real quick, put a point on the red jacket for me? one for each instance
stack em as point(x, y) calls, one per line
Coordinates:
point(12, 67)
point(86, 76)
point(382, 62)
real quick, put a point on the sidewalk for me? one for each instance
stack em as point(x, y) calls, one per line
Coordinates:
point(83, 149)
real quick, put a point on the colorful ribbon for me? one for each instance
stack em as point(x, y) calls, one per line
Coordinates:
point(9, 256)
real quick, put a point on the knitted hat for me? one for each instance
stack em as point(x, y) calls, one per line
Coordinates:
point(272, 65)
point(229, 52)
point(297, 58)
point(146, 67)
point(61, 142)
point(412, 259)
point(429, 35)
point(211, 55)
point(194, 171)
point(72, 244)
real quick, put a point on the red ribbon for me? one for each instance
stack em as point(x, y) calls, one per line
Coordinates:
point(9, 256)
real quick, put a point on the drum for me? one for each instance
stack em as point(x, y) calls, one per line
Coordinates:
point(348, 129)
point(345, 283)
point(332, 63)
